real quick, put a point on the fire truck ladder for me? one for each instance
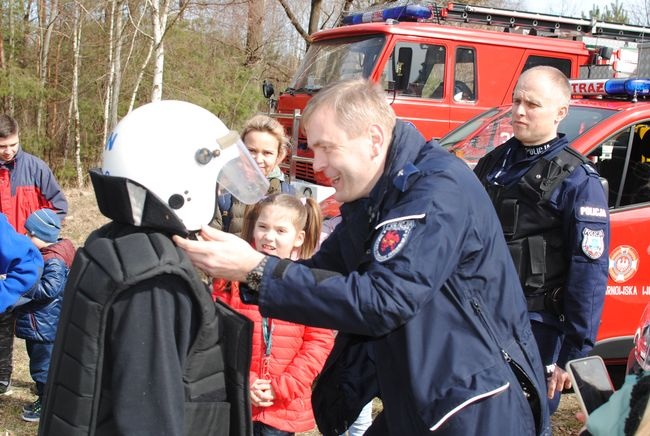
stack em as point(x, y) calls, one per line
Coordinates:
point(539, 22)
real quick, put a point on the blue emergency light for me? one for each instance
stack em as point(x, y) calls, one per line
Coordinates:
point(631, 87)
point(404, 12)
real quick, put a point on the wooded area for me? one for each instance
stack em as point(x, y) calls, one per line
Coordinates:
point(70, 69)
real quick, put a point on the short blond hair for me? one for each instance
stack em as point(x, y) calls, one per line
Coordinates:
point(264, 123)
point(357, 104)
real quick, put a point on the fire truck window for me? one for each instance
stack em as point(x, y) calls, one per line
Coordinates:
point(414, 69)
point(563, 65)
point(609, 160)
point(637, 182)
point(626, 165)
point(465, 75)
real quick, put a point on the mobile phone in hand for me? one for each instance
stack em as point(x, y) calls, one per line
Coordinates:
point(591, 382)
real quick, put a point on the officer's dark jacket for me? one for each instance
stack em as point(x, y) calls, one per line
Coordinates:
point(550, 233)
point(141, 346)
point(428, 323)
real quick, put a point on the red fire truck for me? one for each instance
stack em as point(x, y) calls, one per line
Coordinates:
point(610, 124)
point(437, 71)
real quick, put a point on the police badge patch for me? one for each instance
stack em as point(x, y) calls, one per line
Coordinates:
point(593, 243)
point(392, 239)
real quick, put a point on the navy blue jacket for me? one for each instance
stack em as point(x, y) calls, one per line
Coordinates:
point(38, 319)
point(581, 204)
point(20, 264)
point(419, 283)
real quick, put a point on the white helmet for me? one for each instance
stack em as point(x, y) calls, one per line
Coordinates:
point(179, 152)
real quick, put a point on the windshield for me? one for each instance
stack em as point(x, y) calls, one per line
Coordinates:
point(485, 133)
point(330, 61)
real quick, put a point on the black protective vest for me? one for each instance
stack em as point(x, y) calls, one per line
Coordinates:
point(532, 229)
point(216, 370)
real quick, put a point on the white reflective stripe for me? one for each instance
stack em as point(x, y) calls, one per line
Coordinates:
point(401, 218)
point(466, 403)
point(137, 197)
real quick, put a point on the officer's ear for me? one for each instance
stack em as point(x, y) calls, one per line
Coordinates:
point(377, 136)
point(562, 112)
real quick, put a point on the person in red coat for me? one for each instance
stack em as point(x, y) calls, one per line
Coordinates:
point(287, 357)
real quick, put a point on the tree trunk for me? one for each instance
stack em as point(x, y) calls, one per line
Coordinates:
point(46, 24)
point(110, 77)
point(74, 100)
point(255, 31)
point(117, 65)
point(159, 15)
point(314, 15)
point(143, 67)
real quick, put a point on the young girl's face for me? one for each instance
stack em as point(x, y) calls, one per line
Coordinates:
point(275, 232)
point(265, 150)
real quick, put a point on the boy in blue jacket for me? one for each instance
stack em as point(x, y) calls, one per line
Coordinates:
point(37, 320)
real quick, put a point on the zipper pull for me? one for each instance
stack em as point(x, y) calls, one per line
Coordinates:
point(506, 356)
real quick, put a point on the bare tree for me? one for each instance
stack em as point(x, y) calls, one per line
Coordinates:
point(46, 21)
point(160, 10)
point(117, 65)
point(255, 29)
point(110, 76)
point(74, 118)
point(314, 15)
point(143, 66)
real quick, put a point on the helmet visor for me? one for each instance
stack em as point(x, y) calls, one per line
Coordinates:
point(239, 173)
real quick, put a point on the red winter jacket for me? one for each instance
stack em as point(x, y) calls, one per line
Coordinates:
point(297, 356)
point(26, 185)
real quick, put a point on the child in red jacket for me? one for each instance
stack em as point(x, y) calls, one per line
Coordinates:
point(286, 356)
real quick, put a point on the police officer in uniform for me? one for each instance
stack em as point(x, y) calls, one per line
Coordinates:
point(416, 278)
point(554, 214)
point(142, 349)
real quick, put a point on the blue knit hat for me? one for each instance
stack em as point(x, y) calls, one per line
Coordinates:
point(45, 224)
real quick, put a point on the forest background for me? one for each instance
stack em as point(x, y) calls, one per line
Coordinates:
point(70, 69)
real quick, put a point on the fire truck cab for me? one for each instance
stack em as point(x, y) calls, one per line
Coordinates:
point(438, 75)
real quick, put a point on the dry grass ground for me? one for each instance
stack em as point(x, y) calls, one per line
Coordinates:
point(83, 217)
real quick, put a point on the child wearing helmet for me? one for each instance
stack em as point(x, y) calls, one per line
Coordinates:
point(267, 143)
point(141, 346)
point(286, 356)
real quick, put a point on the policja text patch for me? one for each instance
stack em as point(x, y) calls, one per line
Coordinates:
point(392, 239)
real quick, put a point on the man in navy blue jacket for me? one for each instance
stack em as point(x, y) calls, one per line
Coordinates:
point(554, 214)
point(416, 278)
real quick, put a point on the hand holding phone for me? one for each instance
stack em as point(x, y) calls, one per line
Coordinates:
point(591, 382)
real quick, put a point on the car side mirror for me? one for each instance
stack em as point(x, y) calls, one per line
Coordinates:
point(267, 89)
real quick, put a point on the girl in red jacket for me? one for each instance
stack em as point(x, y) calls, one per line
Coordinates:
point(286, 356)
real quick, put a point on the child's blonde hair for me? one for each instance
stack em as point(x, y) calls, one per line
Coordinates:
point(308, 218)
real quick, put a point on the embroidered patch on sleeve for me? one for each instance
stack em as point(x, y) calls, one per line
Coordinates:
point(593, 243)
point(592, 212)
point(392, 239)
